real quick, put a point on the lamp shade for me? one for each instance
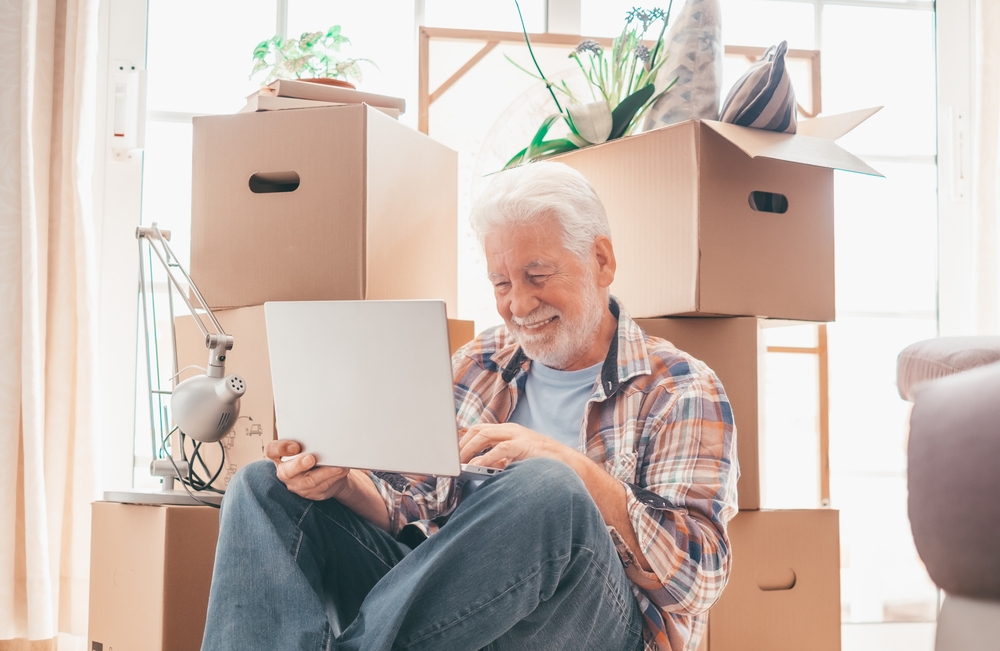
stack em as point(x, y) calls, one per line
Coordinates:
point(205, 407)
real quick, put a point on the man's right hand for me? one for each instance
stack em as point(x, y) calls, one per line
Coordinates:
point(301, 474)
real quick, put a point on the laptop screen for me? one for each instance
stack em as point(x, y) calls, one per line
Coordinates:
point(365, 384)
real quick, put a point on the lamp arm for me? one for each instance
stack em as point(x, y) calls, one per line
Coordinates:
point(217, 344)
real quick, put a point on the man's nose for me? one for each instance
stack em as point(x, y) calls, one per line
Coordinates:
point(522, 300)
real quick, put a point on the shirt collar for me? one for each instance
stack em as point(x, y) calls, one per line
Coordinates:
point(626, 358)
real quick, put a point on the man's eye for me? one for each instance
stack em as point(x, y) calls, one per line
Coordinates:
point(503, 284)
point(538, 278)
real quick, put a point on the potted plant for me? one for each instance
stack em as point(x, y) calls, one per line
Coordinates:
point(621, 83)
point(314, 56)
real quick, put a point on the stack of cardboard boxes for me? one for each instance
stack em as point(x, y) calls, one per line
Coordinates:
point(339, 203)
point(731, 226)
point(723, 224)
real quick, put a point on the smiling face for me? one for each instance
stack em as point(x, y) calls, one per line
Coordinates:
point(554, 303)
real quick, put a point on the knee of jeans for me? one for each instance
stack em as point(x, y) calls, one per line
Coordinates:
point(254, 478)
point(549, 484)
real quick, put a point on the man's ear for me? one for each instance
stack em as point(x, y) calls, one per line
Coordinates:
point(604, 255)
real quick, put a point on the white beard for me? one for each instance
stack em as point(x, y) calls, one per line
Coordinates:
point(560, 345)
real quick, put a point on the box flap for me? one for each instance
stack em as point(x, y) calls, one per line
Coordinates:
point(790, 147)
point(833, 127)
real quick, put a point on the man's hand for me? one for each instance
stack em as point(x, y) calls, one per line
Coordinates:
point(510, 443)
point(301, 475)
point(506, 443)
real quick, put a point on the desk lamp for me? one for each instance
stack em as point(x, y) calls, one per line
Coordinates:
point(204, 407)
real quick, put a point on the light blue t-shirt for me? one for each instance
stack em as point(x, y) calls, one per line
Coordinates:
point(553, 401)
point(552, 404)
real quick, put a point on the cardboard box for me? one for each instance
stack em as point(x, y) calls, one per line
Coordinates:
point(331, 203)
point(687, 239)
point(734, 348)
point(254, 428)
point(150, 573)
point(460, 333)
point(784, 590)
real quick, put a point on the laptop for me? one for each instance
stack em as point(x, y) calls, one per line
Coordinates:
point(367, 384)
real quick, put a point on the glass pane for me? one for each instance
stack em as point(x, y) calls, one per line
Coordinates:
point(161, 361)
point(607, 17)
point(882, 57)
point(790, 333)
point(487, 116)
point(744, 22)
point(883, 579)
point(886, 235)
point(142, 445)
point(166, 184)
point(199, 54)
point(789, 443)
point(380, 31)
point(494, 16)
point(166, 200)
point(868, 419)
point(768, 22)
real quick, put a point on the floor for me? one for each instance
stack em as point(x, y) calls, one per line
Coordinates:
point(888, 637)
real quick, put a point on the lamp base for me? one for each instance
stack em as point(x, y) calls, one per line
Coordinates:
point(177, 497)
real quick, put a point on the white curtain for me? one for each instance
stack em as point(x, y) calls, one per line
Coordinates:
point(986, 167)
point(48, 338)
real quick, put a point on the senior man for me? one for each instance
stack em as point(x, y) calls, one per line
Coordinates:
point(606, 531)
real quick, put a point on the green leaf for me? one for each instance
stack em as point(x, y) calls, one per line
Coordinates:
point(262, 50)
point(520, 67)
point(543, 130)
point(516, 160)
point(353, 71)
point(312, 54)
point(259, 65)
point(541, 150)
point(309, 39)
point(622, 116)
point(568, 118)
point(565, 90)
point(550, 148)
point(574, 135)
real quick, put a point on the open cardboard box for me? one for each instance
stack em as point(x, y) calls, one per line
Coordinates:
point(254, 428)
point(332, 203)
point(710, 218)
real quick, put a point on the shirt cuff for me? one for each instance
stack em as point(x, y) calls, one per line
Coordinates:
point(635, 573)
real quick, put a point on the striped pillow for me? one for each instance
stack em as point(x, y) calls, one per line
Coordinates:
point(763, 97)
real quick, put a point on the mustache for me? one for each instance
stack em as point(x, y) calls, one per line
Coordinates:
point(540, 313)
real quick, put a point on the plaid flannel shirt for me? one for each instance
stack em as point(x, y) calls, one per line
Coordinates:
point(659, 422)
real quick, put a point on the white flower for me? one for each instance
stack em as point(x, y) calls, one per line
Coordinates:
point(592, 121)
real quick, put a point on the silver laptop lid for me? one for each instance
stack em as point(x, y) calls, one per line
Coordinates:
point(365, 384)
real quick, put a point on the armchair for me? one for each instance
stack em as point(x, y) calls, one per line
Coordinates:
point(953, 477)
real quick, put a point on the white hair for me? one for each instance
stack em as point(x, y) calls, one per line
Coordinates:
point(529, 193)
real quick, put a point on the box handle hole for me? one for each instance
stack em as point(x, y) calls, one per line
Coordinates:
point(264, 182)
point(768, 202)
point(773, 579)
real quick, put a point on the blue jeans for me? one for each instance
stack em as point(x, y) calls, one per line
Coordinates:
point(524, 563)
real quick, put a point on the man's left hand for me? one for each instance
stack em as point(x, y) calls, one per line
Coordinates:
point(506, 443)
